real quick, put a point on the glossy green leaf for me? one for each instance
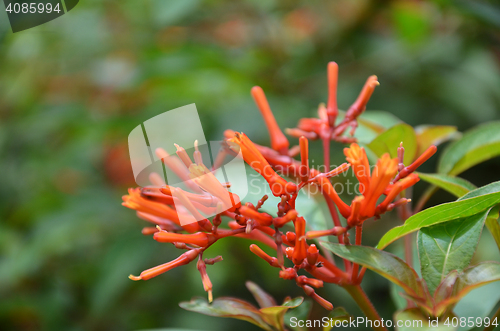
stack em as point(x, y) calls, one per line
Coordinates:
point(372, 123)
point(386, 264)
point(477, 145)
point(448, 246)
point(472, 278)
point(263, 298)
point(470, 204)
point(397, 299)
point(227, 307)
point(454, 185)
point(412, 319)
point(428, 135)
point(389, 141)
point(300, 313)
point(338, 314)
point(275, 315)
point(493, 225)
point(382, 119)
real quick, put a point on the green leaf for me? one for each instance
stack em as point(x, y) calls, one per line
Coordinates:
point(470, 204)
point(428, 135)
point(477, 145)
point(263, 298)
point(472, 278)
point(389, 141)
point(397, 299)
point(371, 124)
point(275, 315)
point(448, 246)
point(454, 185)
point(338, 314)
point(379, 120)
point(385, 264)
point(493, 225)
point(227, 307)
point(415, 320)
point(300, 313)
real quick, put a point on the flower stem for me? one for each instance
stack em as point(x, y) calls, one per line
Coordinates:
point(365, 304)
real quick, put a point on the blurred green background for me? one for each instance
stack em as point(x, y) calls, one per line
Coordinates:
point(72, 89)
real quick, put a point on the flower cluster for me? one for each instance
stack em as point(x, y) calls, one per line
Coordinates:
point(381, 189)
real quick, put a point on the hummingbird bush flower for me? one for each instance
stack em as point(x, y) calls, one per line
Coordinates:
point(286, 232)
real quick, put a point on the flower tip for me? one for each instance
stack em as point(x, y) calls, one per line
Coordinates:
point(256, 88)
point(210, 296)
point(134, 278)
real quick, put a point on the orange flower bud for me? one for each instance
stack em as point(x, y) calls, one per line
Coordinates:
point(359, 105)
point(397, 188)
point(312, 255)
point(147, 231)
point(324, 303)
point(288, 273)
point(303, 280)
point(263, 255)
point(262, 219)
point(181, 260)
point(278, 140)
point(256, 160)
point(291, 215)
point(332, 110)
point(135, 201)
point(199, 239)
point(207, 284)
point(304, 158)
point(327, 188)
point(300, 253)
point(335, 231)
point(417, 163)
point(289, 252)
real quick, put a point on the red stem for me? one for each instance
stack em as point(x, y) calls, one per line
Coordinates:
point(355, 267)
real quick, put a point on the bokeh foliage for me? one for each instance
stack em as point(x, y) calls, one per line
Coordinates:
point(71, 90)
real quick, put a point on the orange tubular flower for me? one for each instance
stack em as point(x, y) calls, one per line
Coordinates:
point(181, 260)
point(262, 218)
point(135, 201)
point(327, 187)
point(278, 140)
point(207, 284)
point(304, 159)
point(356, 156)
point(205, 179)
point(397, 188)
point(199, 239)
point(359, 105)
point(383, 173)
point(263, 255)
point(256, 160)
point(312, 255)
point(417, 163)
point(300, 251)
point(331, 108)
